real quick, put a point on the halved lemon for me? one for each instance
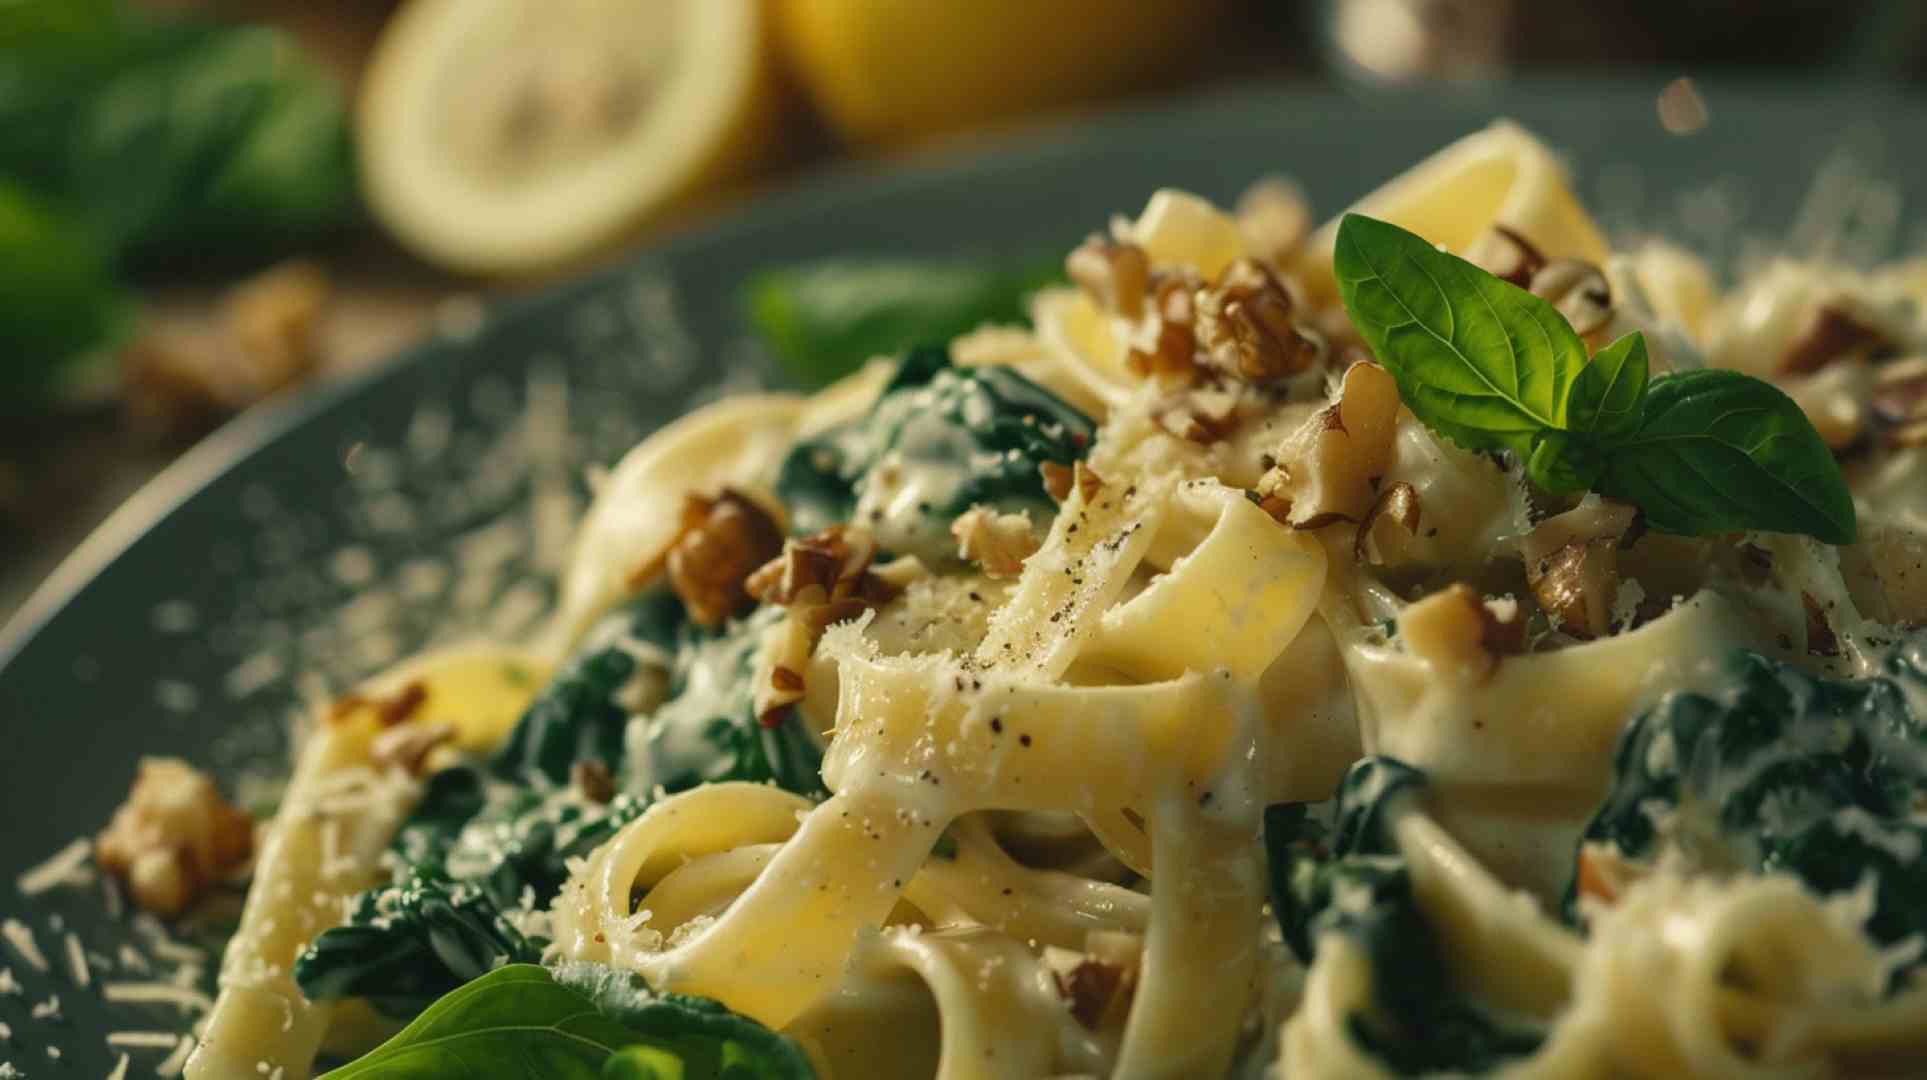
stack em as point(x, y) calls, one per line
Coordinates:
point(889, 72)
point(511, 136)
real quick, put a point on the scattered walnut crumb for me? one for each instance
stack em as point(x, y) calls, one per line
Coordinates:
point(1165, 343)
point(1821, 640)
point(593, 780)
point(1396, 511)
point(997, 543)
point(1099, 983)
point(822, 579)
point(1057, 480)
point(173, 837)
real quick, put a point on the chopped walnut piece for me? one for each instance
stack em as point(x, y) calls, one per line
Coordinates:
point(1328, 468)
point(394, 709)
point(822, 579)
point(1572, 564)
point(997, 543)
point(1057, 480)
point(1603, 873)
point(1460, 634)
point(1115, 275)
point(1831, 333)
point(1202, 414)
point(402, 704)
point(829, 565)
point(721, 542)
point(1244, 324)
point(174, 837)
point(1756, 564)
point(407, 746)
point(1579, 290)
point(1397, 505)
point(1507, 255)
point(1098, 984)
point(1821, 640)
point(1165, 344)
point(1577, 586)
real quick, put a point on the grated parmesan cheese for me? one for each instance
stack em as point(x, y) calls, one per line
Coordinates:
point(143, 1040)
point(132, 960)
point(9, 986)
point(8, 1072)
point(177, 1060)
point(120, 1069)
point(20, 936)
point(150, 993)
point(48, 1009)
point(68, 866)
point(77, 963)
point(6, 1033)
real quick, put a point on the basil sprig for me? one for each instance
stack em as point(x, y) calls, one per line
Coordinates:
point(1490, 366)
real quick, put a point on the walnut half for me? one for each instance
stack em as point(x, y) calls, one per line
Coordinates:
point(1327, 469)
point(721, 542)
point(173, 837)
point(1244, 324)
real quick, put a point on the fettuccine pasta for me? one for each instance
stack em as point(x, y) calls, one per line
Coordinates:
point(973, 718)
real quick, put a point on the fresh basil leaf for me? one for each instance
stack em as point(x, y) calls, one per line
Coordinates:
point(1482, 362)
point(1562, 463)
point(1606, 395)
point(707, 1038)
point(586, 1022)
point(514, 1022)
point(1717, 451)
point(642, 1063)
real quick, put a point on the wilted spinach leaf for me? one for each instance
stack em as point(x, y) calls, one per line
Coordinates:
point(964, 436)
point(1335, 869)
point(1778, 770)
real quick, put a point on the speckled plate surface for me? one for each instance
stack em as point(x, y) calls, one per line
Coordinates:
point(300, 549)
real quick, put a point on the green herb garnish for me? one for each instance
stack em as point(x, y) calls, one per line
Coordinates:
point(585, 1022)
point(1490, 366)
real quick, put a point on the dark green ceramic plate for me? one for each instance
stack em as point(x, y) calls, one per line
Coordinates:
point(299, 549)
